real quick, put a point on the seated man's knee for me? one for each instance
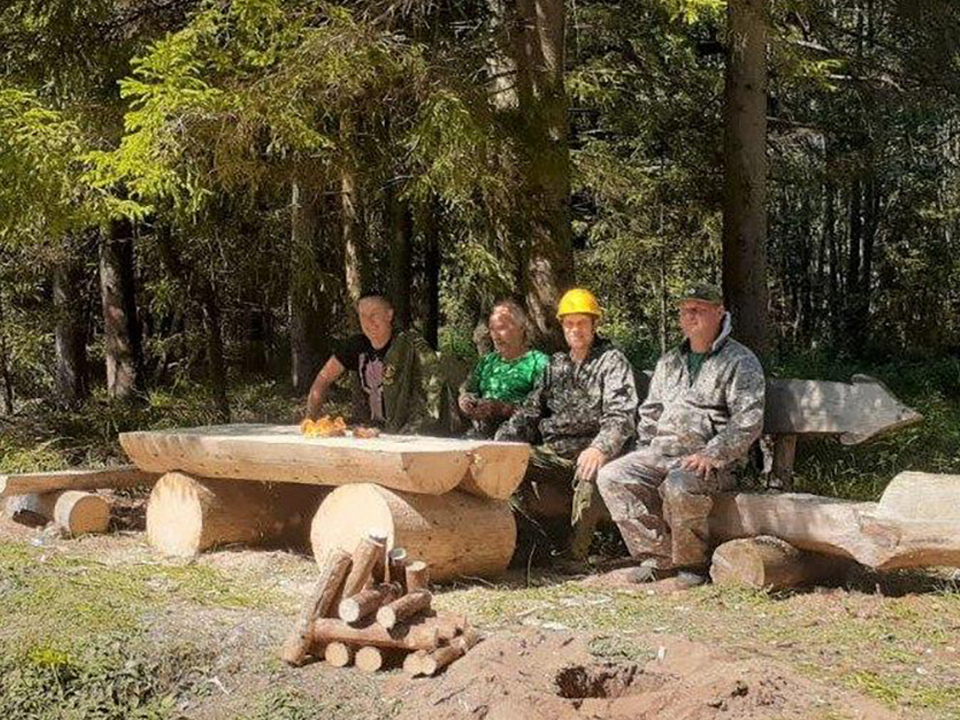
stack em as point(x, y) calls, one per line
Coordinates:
point(607, 475)
point(682, 482)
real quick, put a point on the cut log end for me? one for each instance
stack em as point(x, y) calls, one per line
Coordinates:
point(369, 659)
point(456, 533)
point(769, 563)
point(413, 663)
point(338, 654)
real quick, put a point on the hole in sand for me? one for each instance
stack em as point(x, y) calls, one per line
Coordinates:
point(604, 680)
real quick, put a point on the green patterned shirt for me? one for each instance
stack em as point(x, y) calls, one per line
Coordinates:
point(511, 381)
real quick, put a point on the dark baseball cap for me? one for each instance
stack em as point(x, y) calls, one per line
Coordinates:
point(702, 291)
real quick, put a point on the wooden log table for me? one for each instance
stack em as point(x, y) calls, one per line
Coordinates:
point(280, 453)
point(258, 483)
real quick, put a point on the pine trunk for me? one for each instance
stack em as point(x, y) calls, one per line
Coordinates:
point(306, 301)
point(432, 272)
point(401, 251)
point(745, 172)
point(71, 332)
point(536, 32)
point(5, 364)
point(355, 261)
point(120, 327)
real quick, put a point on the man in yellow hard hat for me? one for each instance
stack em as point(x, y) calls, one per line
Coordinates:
point(579, 416)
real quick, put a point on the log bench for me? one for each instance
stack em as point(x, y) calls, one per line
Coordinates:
point(854, 412)
point(786, 539)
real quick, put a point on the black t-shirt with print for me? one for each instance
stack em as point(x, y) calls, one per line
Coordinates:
point(358, 355)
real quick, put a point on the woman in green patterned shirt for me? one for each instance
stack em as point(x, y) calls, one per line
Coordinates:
point(504, 377)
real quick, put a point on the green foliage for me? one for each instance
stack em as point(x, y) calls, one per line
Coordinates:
point(41, 151)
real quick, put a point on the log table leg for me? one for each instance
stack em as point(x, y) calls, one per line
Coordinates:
point(187, 515)
point(456, 534)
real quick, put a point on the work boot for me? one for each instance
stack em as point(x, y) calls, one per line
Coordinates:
point(649, 570)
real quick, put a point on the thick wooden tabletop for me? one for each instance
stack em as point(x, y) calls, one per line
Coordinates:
point(280, 453)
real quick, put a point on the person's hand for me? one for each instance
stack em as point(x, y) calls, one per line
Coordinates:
point(468, 404)
point(700, 464)
point(499, 408)
point(506, 409)
point(588, 463)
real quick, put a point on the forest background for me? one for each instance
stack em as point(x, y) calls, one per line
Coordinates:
point(194, 193)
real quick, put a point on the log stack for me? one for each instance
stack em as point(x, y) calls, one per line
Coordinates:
point(372, 609)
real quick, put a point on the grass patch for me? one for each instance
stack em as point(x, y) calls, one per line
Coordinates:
point(112, 677)
point(68, 598)
point(295, 704)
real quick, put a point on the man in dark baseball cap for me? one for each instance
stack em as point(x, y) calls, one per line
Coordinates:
point(703, 411)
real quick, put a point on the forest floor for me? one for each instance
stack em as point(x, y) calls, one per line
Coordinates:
point(101, 627)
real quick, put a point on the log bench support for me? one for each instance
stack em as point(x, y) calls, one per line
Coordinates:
point(187, 515)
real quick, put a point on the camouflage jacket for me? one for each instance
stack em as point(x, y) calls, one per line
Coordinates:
point(416, 397)
point(719, 415)
point(573, 407)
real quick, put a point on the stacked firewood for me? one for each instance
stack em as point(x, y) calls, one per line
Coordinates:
point(373, 610)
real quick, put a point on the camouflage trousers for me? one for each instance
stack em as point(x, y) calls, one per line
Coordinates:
point(661, 510)
point(549, 490)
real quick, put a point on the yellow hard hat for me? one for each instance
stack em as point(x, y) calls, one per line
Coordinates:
point(578, 300)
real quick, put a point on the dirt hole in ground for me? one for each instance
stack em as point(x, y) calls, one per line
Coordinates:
point(603, 680)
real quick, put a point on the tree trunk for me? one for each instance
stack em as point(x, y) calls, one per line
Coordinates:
point(852, 303)
point(745, 172)
point(307, 306)
point(537, 49)
point(401, 250)
point(120, 327)
point(70, 332)
point(871, 219)
point(355, 261)
point(200, 287)
point(432, 271)
point(5, 364)
point(833, 250)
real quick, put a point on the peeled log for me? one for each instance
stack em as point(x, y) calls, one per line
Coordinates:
point(857, 530)
point(455, 534)
point(75, 479)
point(322, 600)
point(496, 469)
point(424, 635)
point(280, 453)
point(770, 563)
point(922, 496)
point(74, 511)
point(187, 515)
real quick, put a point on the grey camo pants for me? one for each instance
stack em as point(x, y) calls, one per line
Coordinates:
point(661, 510)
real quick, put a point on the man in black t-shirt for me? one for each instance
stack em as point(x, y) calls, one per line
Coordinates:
point(398, 373)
